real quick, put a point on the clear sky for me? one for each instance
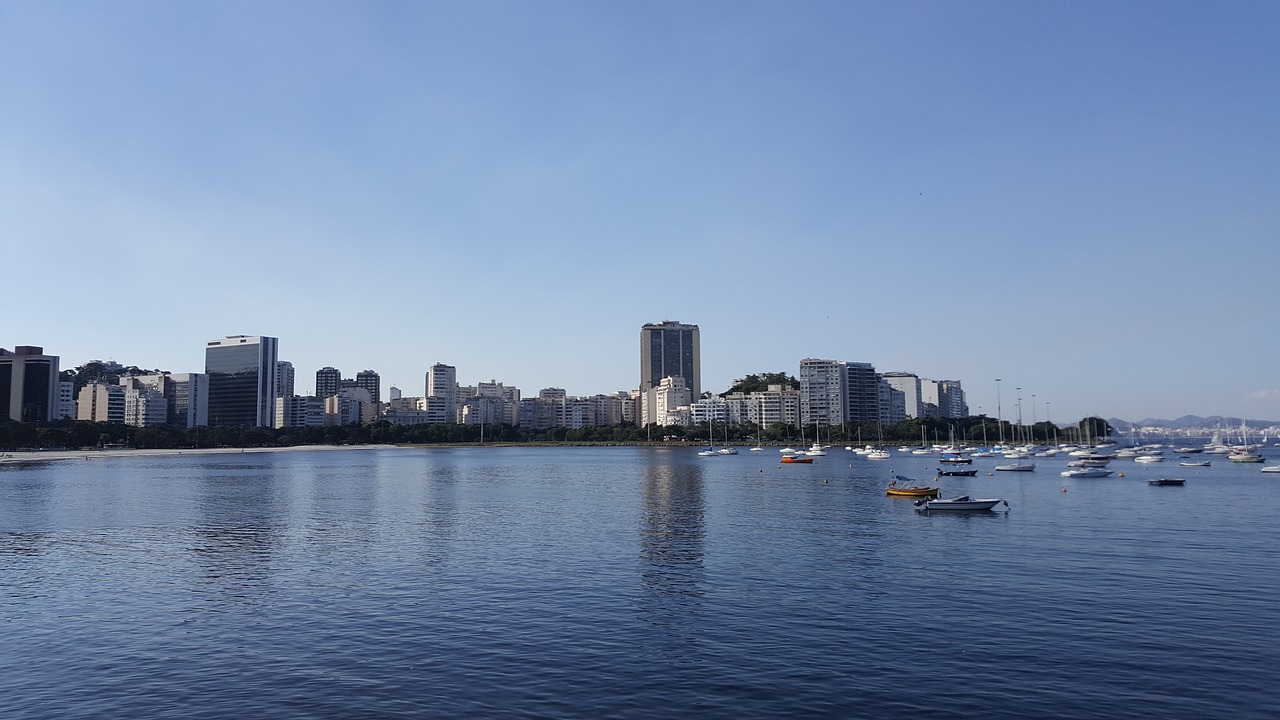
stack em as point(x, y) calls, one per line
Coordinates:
point(1080, 198)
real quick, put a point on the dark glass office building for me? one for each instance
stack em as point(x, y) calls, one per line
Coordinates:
point(670, 349)
point(243, 380)
point(28, 384)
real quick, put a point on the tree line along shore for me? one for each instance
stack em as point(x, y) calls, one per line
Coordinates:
point(78, 434)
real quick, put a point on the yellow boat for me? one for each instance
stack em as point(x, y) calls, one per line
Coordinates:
point(910, 490)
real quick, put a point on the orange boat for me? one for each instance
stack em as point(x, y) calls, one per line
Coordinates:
point(915, 492)
point(910, 489)
point(794, 459)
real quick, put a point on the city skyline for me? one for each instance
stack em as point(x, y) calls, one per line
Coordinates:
point(1059, 195)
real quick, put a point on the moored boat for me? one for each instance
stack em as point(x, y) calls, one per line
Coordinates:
point(1086, 473)
point(909, 488)
point(1271, 469)
point(1195, 463)
point(1167, 482)
point(963, 502)
point(957, 473)
point(796, 459)
point(1017, 467)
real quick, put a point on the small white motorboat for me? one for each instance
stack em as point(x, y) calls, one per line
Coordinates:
point(878, 455)
point(1195, 463)
point(1271, 469)
point(1017, 467)
point(1148, 459)
point(727, 451)
point(963, 502)
point(1086, 472)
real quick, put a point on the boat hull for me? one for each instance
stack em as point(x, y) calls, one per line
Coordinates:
point(915, 492)
point(958, 504)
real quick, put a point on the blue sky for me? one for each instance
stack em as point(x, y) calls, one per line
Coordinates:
point(1079, 198)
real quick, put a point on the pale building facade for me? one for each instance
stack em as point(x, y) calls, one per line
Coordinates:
point(100, 402)
point(668, 403)
point(299, 411)
point(909, 385)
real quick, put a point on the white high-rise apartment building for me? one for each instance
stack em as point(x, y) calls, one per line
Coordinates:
point(823, 390)
point(893, 408)
point(66, 400)
point(909, 385)
point(834, 392)
point(442, 384)
point(668, 403)
point(299, 411)
point(943, 398)
point(773, 406)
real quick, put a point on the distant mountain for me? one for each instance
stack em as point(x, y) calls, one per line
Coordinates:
point(1190, 421)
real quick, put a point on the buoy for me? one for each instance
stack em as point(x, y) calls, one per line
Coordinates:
point(1064, 490)
point(826, 482)
point(1121, 475)
point(990, 474)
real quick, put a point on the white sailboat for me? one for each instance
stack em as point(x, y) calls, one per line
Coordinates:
point(711, 442)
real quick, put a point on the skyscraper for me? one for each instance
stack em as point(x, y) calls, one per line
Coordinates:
point(823, 387)
point(370, 381)
point(243, 381)
point(28, 384)
point(862, 384)
point(285, 371)
point(833, 392)
point(909, 385)
point(670, 349)
point(328, 381)
point(442, 384)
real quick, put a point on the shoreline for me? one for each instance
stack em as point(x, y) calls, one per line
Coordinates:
point(35, 456)
point(19, 457)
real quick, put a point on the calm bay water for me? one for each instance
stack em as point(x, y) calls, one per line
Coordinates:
point(629, 582)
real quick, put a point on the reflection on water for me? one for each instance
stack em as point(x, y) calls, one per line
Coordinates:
point(438, 523)
point(238, 527)
point(671, 554)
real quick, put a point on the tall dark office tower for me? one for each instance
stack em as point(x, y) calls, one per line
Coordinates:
point(28, 384)
point(243, 381)
point(328, 382)
point(670, 349)
point(370, 381)
point(863, 386)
